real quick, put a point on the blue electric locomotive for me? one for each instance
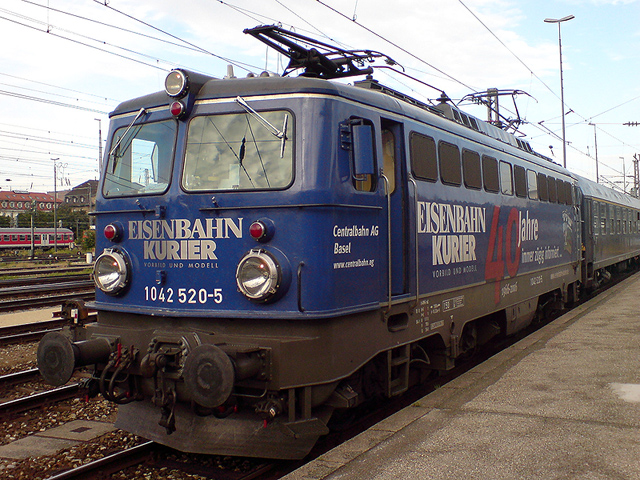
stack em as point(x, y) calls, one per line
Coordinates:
point(277, 248)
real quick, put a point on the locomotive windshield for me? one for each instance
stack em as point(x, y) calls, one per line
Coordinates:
point(239, 152)
point(140, 163)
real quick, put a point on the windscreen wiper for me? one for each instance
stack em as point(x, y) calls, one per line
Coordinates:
point(141, 112)
point(281, 134)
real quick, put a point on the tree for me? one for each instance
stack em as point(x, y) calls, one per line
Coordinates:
point(88, 240)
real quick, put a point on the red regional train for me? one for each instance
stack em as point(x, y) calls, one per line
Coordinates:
point(12, 238)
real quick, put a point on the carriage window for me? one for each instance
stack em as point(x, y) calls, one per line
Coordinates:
point(603, 219)
point(618, 219)
point(450, 172)
point(520, 178)
point(612, 219)
point(243, 151)
point(424, 161)
point(596, 221)
point(506, 180)
point(532, 184)
point(490, 174)
point(141, 159)
point(543, 187)
point(471, 169)
point(553, 189)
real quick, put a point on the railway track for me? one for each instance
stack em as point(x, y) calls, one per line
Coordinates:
point(41, 272)
point(108, 465)
point(20, 297)
point(157, 458)
point(40, 399)
point(30, 332)
point(19, 377)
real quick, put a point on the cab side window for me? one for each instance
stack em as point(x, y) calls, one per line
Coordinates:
point(389, 158)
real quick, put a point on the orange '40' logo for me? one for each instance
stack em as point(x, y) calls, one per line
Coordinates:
point(504, 249)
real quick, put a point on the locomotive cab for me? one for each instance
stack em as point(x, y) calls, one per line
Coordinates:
point(231, 238)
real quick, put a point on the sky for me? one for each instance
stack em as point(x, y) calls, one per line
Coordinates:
point(65, 64)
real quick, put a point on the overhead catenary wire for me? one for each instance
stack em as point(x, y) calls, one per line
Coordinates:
point(381, 37)
point(201, 49)
point(49, 32)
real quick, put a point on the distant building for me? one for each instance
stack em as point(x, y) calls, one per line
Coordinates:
point(83, 196)
point(16, 202)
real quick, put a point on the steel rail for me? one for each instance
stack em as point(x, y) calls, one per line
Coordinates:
point(19, 377)
point(39, 399)
point(108, 465)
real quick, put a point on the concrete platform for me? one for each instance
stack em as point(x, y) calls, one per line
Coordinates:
point(28, 316)
point(563, 403)
point(55, 439)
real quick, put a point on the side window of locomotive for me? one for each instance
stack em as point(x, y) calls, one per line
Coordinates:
point(490, 174)
point(471, 169)
point(239, 151)
point(389, 158)
point(561, 191)
point(553, 189)
point(520, 178)
point(532, 184)
point(506, 178)
point(358, 140)
point(140, 159)
point(543, 187)
point(424, 160)
point(450, 172)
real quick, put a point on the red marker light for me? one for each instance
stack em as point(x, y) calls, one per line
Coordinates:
point(112, 232)
point(177, 109)
point(257, 230)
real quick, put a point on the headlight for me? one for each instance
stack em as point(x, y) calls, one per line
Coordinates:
point(258, 275)
point(111, 272)
point(175, 84)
